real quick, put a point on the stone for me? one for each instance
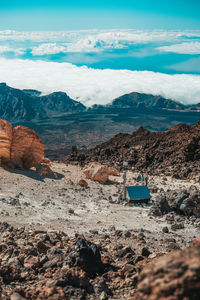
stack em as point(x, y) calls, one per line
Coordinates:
point(16, 296)
point(173, 276)
point(145, 252)
point(125, 251)
point(49, 264)
point(83, 183)
point(98, 172)
point(6, 133)
point(86, 255)
point(177, 226)
point(127, 233)
point(165, 229)
point(20, 147)
point(27, 149)
point(31, 262)
point(44, 170)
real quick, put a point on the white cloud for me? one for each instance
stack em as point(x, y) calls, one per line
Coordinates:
point(88, 44)
point(52, 42)
point(6, 49)
point(94, 85)
point(183, 48)
point(107, 36)
point(45, 49)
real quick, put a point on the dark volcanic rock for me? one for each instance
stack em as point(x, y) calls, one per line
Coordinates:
point(175, 151)
point(179, 201)
point(86, 256)
point(40, 265)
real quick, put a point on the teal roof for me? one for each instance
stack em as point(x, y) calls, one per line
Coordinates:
point(138, 192)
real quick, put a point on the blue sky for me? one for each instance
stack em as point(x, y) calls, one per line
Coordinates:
point(84, 14)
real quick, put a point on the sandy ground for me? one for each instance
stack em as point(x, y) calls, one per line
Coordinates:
point(57, 204)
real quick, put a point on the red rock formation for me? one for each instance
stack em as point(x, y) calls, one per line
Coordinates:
point(20, 146)
point(98, 172)
point(5, 141)
point(27, 149)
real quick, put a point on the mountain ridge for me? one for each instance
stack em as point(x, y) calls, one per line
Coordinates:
point(28, 104)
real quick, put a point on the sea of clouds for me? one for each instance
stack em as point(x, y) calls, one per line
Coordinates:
point(92, 86)
point(53, 42)
point(26, 62)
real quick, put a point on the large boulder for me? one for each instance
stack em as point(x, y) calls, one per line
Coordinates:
point(97, 172)
point(44, 170)
point(186, 202)
point(21, 147)
point(160, 206)
point(172, 277)
point(86, 255)
point(5, 141)
point(27, 149)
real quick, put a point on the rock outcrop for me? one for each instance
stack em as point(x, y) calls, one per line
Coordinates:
point(172, 277)
point(5, 141)
point(186, 202)
point(98, 172)
point(20, 147)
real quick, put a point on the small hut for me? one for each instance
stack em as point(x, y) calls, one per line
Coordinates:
point(138, 194)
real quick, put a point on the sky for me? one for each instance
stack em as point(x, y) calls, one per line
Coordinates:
point(85, 14)
point(89, 40)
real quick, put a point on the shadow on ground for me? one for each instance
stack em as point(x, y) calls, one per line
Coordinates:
point(34, 175)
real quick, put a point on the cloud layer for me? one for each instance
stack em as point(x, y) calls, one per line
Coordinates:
point(7, 49)
point(183, 48)
point(53, 42)
point(97, 86)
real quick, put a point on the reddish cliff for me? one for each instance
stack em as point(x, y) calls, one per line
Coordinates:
point(20, 146)
point(5, 141)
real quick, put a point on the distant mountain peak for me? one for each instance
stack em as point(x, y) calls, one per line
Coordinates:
point(141, 100)
point(28, 104)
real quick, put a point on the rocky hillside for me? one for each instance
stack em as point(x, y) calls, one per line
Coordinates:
point(175, 151)
point(26, 105)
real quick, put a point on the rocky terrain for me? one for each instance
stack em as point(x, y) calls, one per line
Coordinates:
point(43, 265)
point(62, 122)
point(66, 231)
point(63, 240)
point(175, 151)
